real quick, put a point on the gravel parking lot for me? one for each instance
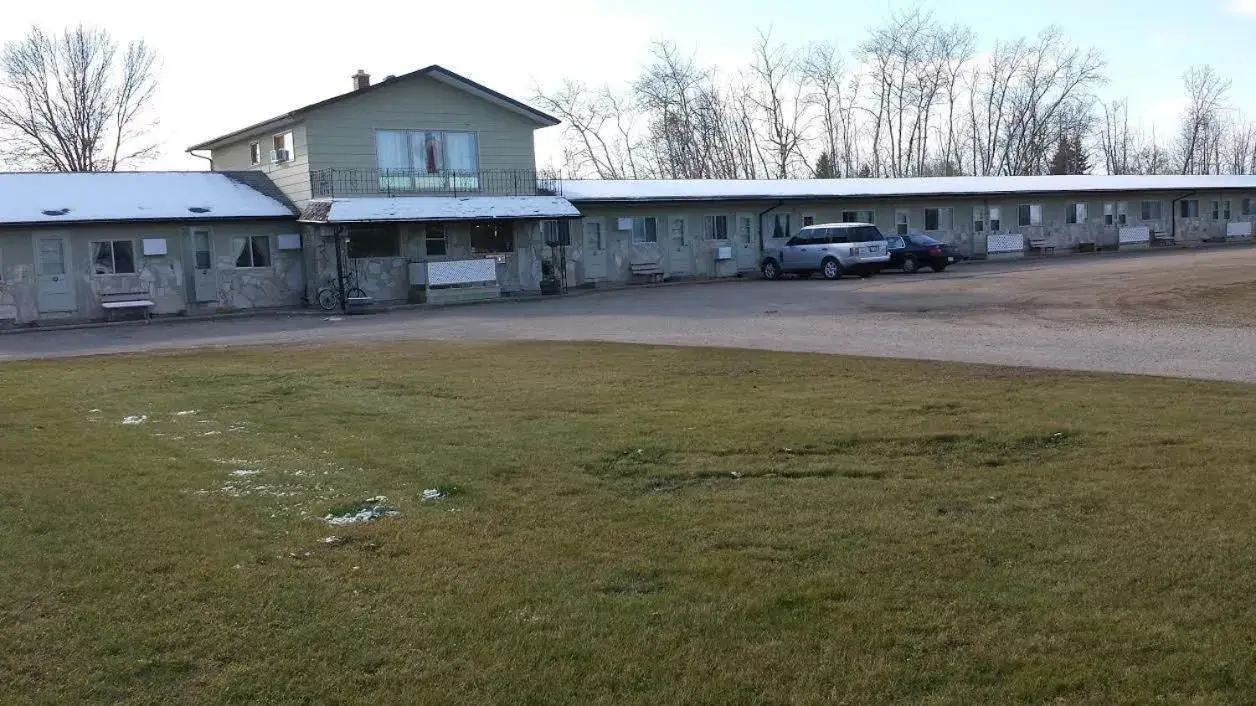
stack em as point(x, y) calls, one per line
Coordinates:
point(1184, 314)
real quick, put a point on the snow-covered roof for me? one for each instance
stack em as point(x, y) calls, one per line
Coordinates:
point(724, 189)
point(436, 208)
point(43, 198)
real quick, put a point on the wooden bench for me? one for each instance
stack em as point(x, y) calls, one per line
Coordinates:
point(113, 302)
point(1041, 244)
point(650, 269)
point(1160, 237)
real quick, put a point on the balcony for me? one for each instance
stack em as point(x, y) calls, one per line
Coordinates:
point(335, 183)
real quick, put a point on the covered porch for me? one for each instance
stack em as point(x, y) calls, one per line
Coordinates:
point(431, 249)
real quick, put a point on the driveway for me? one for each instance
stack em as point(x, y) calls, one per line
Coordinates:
point(1066, 314)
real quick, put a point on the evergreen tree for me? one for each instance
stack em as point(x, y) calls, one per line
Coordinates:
point(825, 168)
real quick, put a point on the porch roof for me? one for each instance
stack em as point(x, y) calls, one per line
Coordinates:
point(436, 208)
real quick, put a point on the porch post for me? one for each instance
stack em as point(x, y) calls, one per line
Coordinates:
point(340, 272)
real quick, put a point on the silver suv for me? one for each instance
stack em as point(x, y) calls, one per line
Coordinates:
point(832, 249)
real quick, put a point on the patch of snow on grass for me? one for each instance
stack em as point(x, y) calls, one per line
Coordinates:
point(211, 433)
point(185, 413)
point(242, 472)
point(368, 513)
point(137, 419)
point(432, 494)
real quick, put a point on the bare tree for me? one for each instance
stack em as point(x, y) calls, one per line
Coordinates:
point(1200, 129)
point(1115, 139)
point(71, 103)
point(777, 99)
point(832, 89)
point(597, 130)
point(1240, 147)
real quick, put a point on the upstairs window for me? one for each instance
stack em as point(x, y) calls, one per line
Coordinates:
point(427, 160)
point(284, 149)
point(255, 153)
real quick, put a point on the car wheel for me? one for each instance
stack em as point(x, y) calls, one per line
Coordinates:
point(831, 269)
point(910, 266)
point(937, 268)
point(771, 270)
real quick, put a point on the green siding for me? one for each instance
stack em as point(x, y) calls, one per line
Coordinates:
point(292, 177)
point(342, 135)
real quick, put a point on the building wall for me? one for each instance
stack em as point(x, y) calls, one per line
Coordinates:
point(164, 277)
point(387, 279)
point(697, 257)
point(342, 135)
point(292, 177)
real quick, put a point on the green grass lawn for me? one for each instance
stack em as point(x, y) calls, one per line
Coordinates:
point(622, 525)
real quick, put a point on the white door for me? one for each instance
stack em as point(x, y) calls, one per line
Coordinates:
point(594, 251)
point(679, 261)
point(54, 286)
point(746, 242)
point(204, 279)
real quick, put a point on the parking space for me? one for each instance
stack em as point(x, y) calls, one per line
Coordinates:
point(1180, 314)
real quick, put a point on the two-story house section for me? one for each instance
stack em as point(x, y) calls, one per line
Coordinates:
point(421, 183)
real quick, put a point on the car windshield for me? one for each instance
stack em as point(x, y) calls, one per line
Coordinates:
point(924, 240)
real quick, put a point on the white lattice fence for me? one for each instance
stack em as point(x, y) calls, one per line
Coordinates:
point(1000, 243)
point(483, 271)
point(1134, 235)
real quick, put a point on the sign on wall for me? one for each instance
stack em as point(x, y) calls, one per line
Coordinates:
point(1005, 242)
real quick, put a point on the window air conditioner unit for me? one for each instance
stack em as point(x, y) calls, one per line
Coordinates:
point(280, 155)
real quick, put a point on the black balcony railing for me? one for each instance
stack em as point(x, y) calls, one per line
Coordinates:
point(331, 183)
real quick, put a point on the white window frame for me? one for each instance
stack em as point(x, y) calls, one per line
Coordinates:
point(443, 239)
point(644, 232)
point(994, 219)
point(1035, 214)
point(858, 216)
point(1075, 213)
point(944, 225)
point(235, 252)
point(1146, 210)
point(1184, 205)
point(710, 231)
point(597, 226)
point(414, 170)
point(113, 258)
point(255, 153)
point(808, 219)
point(902, 221)
point(289, 144)
point(556, 230)
point(1109, 213)
point(1227, 209)
point(979, 219)
point(1122, 213)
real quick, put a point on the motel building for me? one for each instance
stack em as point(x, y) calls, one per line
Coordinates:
point(424, 188)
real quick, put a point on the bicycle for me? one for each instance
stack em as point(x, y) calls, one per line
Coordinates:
point(328, 296)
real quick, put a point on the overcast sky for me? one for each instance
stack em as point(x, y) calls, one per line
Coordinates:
point(229, 63)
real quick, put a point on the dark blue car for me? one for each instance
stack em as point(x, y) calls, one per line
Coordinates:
point(911, 252)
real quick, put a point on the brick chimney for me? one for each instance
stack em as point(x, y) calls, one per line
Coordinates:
point(361, 80)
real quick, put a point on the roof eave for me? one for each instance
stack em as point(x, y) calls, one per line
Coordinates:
point(124, 221)
point(230, 137)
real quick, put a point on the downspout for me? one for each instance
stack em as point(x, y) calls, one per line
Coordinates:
point(1173, 216)
point(779, 203)
point(207, 159)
